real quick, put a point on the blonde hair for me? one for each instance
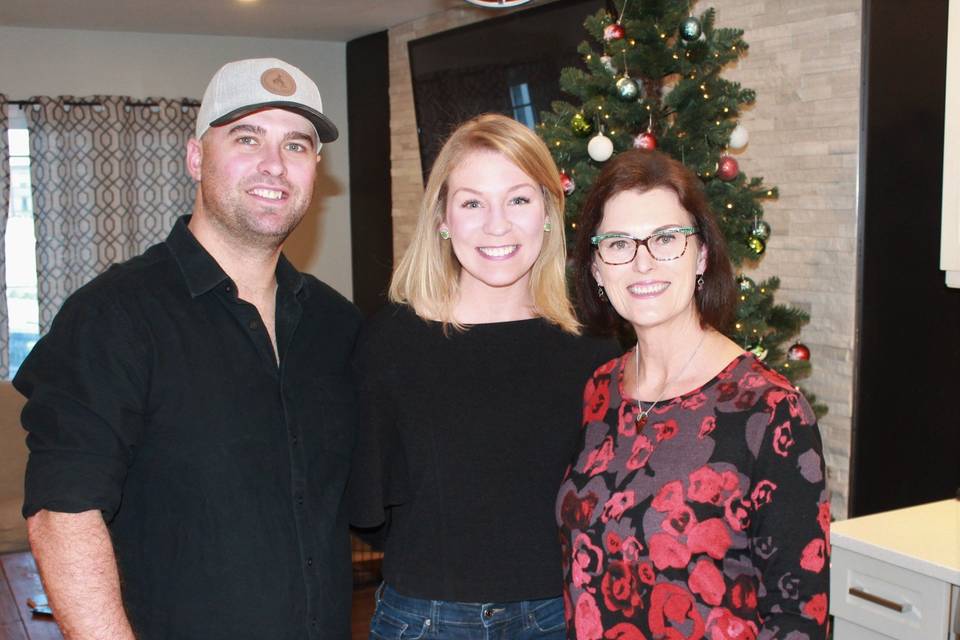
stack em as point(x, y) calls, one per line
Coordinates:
point(428, 275)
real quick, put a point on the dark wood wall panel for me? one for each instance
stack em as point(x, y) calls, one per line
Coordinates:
point(368, 113)
point(906, 430)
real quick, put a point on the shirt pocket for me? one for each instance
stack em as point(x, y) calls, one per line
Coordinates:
point(337, 412)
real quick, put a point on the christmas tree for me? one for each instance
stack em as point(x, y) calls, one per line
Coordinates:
point(652, 80)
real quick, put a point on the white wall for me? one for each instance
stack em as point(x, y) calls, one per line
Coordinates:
point(82, 63)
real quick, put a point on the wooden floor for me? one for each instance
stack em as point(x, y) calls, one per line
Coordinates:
point(20, 582)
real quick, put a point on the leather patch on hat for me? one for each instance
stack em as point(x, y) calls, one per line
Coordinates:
point(278, 82)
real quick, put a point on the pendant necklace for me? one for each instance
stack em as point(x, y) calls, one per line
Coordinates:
point(641, 419)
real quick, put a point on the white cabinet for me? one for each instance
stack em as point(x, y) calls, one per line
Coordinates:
point(950, 222)
point(896, 575)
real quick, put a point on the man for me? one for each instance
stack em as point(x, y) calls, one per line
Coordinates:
point(189, 413)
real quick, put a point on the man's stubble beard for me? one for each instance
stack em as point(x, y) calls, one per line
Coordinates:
point(239, 221)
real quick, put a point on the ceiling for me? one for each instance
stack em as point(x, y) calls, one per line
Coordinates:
point(331, 20)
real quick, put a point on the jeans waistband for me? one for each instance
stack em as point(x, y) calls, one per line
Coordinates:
point(460, 613)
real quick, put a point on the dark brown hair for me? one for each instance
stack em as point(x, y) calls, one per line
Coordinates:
point(638, 170)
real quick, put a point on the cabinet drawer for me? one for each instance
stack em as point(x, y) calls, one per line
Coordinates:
point(890, 600)
point(843, 630)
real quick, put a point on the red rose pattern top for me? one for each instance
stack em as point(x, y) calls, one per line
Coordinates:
point(710, 522)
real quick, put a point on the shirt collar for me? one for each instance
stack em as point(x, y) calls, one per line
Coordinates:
point(201, 271)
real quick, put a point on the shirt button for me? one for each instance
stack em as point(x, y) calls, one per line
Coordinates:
point(253, 324)
point(228, 288)
point(309, 562)
point(300, 500)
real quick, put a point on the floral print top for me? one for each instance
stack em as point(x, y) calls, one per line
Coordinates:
point(709, 522)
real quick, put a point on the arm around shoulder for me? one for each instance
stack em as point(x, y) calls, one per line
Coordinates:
point(79, 572)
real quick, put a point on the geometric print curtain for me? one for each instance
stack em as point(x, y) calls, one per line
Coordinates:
point(4, 210)
point(108, 179)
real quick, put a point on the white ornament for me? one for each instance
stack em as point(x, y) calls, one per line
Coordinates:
point(608, 64)
point(739, 137)
point(600, 148)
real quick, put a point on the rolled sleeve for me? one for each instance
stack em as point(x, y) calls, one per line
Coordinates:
point(84, 384)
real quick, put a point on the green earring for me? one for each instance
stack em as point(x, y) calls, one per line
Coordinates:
point(547, 226)
point(444, 234)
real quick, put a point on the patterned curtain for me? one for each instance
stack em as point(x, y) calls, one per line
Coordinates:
point(4, 211)
point(108, 179)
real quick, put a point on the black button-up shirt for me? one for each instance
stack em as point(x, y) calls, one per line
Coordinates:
point(156, 398)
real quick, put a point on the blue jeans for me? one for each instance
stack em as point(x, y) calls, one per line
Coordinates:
point(398, 617)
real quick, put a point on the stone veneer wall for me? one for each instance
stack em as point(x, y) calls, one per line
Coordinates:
point(804, 63)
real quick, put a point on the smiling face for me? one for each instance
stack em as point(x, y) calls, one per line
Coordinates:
point(256, 175)
point(495, 215)
point(648, 292)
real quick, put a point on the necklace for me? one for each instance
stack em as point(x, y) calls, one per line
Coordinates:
point(641, 419)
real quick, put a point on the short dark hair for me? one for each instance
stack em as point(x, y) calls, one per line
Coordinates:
point(639, 170)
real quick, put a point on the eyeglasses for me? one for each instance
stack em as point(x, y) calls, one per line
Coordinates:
point(664, 245)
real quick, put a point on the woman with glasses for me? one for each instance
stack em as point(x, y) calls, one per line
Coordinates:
point(470, 388)
point(696, 507)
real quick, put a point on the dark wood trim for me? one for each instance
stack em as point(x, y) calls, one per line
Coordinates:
point(368, 113)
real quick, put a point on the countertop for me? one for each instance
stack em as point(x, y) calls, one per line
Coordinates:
point(925, 538)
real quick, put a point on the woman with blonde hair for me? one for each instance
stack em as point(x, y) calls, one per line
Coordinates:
point(470, 386)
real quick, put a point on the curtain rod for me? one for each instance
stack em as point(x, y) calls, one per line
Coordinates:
point(89, 103)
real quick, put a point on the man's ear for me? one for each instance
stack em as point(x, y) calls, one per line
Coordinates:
point(194, 158)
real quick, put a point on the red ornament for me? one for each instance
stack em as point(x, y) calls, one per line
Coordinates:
point(567, 183)
point(613, 31)
point(727, 168)
point(646, 141)
point(798, 352)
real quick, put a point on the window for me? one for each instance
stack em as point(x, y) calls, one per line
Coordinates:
point(23, 313)
point(522, 106)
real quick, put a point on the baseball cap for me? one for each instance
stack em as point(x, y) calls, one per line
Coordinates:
point(241, 87)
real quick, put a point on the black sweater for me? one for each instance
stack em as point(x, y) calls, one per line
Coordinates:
point(464, 441)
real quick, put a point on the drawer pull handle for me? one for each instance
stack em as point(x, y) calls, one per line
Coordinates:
point(869, 597)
